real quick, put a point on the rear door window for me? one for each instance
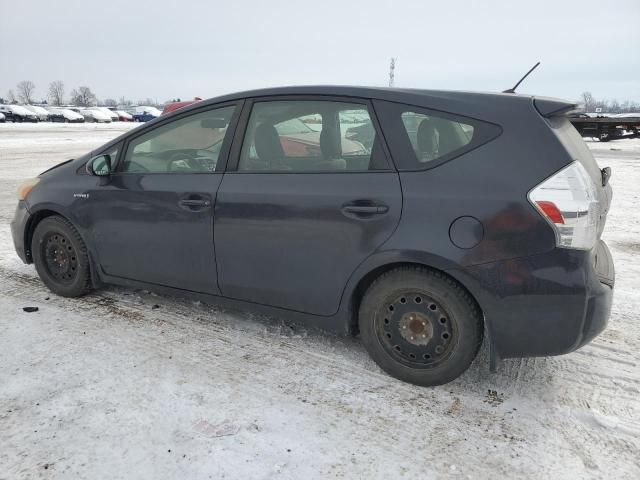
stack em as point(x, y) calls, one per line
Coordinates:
point(310, 136)
point(421, 138)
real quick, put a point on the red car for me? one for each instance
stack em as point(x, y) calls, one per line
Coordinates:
point(170, 107)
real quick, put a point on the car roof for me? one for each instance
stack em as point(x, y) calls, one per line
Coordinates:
point(452, 101)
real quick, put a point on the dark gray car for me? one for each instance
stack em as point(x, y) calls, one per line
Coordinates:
point(461, 215)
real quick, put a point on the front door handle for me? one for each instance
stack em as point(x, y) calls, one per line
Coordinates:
point(193, 204)
point(363, 208)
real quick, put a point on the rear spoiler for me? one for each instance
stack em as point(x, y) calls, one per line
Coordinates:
point(552, 107)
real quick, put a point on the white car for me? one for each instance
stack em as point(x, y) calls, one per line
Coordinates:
point(17, 113)
point(40, 112)
point(111, 114)
point(95, 115)
point(65, 115)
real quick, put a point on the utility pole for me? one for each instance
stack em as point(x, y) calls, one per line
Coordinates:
point(392, 67)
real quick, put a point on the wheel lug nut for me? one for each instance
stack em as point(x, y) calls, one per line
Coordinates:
point(412, 338)
point(404, 327)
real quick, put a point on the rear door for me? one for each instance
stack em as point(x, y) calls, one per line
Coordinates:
point(309, 195)
point(152, 220)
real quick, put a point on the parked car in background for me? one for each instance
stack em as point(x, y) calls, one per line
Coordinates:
point(42, 113)
point(477, 213)
point(17, 113)
point(108, 112)
point(65, 115)
point(94, 115)
point(55, 115)
point(2, 118)
point(145, 113)
point(123, 116)
point(170, 107)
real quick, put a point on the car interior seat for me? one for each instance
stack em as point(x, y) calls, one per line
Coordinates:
point(268, 147)
point(331, 148)
point(427, 140)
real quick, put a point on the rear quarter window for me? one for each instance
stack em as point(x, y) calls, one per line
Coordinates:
point(421, 139)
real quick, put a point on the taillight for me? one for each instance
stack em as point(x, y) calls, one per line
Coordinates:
point(569, 201)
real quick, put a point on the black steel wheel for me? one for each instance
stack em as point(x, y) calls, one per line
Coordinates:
point(415, 329)
point(420, 325)
point(60, 257)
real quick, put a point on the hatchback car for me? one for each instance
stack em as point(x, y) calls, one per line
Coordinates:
point(95, 115)
point(40, 112)
point(65, 115)
point(18, 113)
point(463, 216)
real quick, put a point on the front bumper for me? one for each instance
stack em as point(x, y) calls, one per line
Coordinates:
point(547, 304)
point(18, 230)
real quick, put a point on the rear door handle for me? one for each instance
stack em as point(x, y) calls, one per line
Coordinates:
point(372, 209)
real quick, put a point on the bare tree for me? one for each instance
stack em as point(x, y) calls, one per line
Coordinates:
point(147, 101)
point(83, 97)
point(110, 102)
point(614, 107)
point(56, 92)
point(25, 90)
point(11, 97)
point(587, 99)
point(124, 101)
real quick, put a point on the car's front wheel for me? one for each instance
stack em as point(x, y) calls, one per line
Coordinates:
point(61, 257)
point(420, 326)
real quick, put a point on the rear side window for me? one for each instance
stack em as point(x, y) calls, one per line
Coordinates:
point(433, 137)
point(421, 138)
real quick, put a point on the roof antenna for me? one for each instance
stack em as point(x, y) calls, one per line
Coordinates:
point(513, 89)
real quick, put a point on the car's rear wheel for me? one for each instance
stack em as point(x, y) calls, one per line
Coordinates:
point(420, 326)
point(61, 257)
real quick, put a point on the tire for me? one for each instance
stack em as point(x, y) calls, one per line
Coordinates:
point(420, 326)
point(61, 257)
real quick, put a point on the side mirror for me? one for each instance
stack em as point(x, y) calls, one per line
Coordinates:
point(99, 166)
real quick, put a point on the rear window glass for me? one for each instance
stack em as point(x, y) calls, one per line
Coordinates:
point(420, 138)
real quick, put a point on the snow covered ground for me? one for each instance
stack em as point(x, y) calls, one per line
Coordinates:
point(127, 384)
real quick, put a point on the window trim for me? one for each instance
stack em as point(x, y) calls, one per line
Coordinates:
point(224, 149)
point(391, 114)
point(243, 122)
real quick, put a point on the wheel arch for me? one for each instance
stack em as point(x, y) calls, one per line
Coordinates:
point(34, 219)
point(38, 216)
point(366, 278)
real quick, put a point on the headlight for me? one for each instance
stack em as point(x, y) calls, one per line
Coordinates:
point(26, 187)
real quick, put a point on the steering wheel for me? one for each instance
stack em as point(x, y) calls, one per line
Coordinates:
point(190, 163)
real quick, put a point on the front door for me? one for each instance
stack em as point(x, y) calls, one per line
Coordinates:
point(310, 195)
point(152, 221)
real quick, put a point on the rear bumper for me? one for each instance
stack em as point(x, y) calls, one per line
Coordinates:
point(547, 304)
point(18, 228)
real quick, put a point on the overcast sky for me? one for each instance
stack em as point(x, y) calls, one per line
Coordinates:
point(166, 48)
